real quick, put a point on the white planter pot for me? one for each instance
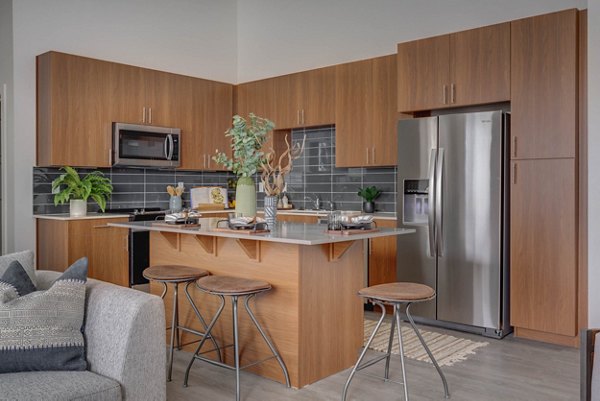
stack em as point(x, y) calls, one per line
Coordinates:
point(78, 207)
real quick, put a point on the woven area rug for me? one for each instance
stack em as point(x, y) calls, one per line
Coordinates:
point(446, 349)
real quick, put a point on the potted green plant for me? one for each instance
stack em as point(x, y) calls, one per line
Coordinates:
point(247, 140)
point(369, 194)
point(77, 190)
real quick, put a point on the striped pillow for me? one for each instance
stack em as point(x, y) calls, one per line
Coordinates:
point(43, 330)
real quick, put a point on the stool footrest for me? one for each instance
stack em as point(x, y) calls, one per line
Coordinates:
point(224, 365)
point(371, 362)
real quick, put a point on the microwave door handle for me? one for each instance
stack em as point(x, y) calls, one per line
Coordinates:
point(171, 147)
point(166, 147)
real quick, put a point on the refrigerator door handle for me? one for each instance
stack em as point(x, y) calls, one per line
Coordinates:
point(431, 200)
point(439, 175)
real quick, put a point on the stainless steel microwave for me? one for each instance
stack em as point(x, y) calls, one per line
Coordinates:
point(144, 145)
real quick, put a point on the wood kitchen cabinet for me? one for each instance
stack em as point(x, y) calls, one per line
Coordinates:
point(255, 97)
point(460, 69)
point(544, 86)
point(73, 121)
point(543, 254)
point(365, 113)
point(382, 256)
point(61, 242)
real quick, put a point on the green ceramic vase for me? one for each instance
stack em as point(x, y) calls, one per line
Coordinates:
point(245, 197)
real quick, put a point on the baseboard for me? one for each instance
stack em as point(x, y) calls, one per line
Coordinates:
point(558, 339)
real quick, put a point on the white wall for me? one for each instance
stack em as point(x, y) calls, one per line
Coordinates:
point(593, 163)
point(6, 93)
point(277, 37)
point(191, 37)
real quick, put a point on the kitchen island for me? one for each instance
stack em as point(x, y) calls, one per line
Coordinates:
point(312, 314)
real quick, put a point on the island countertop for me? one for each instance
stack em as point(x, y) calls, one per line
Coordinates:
point(284, 232)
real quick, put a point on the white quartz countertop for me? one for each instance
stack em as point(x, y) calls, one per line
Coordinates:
point(89, 216)
point(284, 232)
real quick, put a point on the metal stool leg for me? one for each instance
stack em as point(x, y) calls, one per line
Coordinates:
point(162, 296)
point(364, 351)
point(206, 335)
point(236, 346)
point(173, 330)
point(201, 319)
point(264, 336)
point(401, 342)
point(437, 367)
point(389, 350)
point(177, 334)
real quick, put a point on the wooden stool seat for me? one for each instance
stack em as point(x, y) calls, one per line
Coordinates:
point(398, 292)
point(174, 273)
point(226, 285)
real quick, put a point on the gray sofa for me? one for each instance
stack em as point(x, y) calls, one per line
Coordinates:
point(125, 345)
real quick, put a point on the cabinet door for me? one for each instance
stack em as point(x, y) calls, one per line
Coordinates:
point(353, 83)
point(169, 99)
point(317, 104)
point(480, 65)
point(384, 138)
point(74, 124)
point(423, 74)
point(217, 120)
point(128, 94)
point(543, 86)
point(543, 261)
point(382, 256)
point(255, 97)
point(110, 253)
point(287, 91)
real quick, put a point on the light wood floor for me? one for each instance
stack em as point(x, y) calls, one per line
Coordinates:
point(509, 369)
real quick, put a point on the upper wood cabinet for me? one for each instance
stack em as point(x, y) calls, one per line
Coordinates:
point(543, 242)
point(366, 113)
point(79, 98)
point(74, 120)
point(544, 86)
point(460, 69)
point(290, 101)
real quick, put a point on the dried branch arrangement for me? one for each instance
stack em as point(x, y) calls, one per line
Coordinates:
point(273, 174)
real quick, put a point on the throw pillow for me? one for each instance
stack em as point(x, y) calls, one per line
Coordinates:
point(16, 276)
point(43, 330)
point(25, 258)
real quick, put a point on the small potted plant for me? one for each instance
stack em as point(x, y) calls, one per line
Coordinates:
point(77, 190)
point(247, 140)
point(369, 194)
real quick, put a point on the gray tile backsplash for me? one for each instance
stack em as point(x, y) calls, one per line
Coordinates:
point(314, 173)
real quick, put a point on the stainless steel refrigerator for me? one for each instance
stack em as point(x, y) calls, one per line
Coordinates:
point(452, 189)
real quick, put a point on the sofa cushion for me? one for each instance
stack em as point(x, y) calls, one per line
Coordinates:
point(43, 330)
point(16, 276)
point(25, 258)
point(58, 386)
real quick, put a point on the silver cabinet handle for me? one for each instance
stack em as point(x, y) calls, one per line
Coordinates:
point(439, 215)
point(298, 116)
point(515, 146)
point(452, 93)
point(431, 201)
point(208, 160)
point(204, 161)
point(445, 95)
point(367, 149)
point(515, 174)
point(150, 115)
point(302, 116)
point(171, 146)
point(373, 152)
point(144, 114)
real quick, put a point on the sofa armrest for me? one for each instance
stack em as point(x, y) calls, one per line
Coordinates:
point(589, 378)
point(125, 337)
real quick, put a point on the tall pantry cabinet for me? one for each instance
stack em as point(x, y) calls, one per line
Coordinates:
point(544, 172)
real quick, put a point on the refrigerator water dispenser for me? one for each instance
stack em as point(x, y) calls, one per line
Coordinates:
point(416, 201)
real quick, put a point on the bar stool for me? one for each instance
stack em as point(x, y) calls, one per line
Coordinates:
point(233, 287)
point(177, 274)
point(396, 294)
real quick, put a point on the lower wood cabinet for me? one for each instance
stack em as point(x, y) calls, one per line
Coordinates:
point(543, 250)
point(382, 256)
point(62, 242)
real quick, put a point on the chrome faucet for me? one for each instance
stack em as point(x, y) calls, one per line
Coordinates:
point(316, 200)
